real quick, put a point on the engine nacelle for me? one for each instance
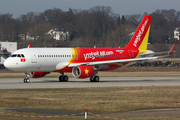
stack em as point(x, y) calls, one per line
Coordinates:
point(81, 71)
point(37, 74)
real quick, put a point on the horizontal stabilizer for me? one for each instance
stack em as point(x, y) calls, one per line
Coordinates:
point(163, 54)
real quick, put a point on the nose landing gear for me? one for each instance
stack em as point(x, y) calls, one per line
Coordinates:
point(26, 79)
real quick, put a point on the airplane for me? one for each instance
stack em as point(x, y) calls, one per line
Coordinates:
point(83, 62)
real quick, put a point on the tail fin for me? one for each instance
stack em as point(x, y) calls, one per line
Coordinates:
point(140, 38)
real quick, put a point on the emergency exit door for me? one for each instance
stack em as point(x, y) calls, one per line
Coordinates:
point(33, 56)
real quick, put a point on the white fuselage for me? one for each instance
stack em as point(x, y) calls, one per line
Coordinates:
point(39, 59)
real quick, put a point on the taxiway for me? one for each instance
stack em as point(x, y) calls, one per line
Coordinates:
point(17, 83)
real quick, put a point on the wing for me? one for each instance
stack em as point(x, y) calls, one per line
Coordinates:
point(111, 61)
point(142, 58)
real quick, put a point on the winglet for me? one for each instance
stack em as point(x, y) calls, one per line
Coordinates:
point(172, 49)
point(29, 46)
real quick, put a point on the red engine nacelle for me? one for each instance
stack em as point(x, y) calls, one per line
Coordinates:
point(37, 74)
point(81, 71)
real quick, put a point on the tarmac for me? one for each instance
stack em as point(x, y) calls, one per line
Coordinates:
point(17, 83)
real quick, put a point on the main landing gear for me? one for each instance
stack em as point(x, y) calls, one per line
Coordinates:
point(26, 79)
point(94, 78)
point(63, 78)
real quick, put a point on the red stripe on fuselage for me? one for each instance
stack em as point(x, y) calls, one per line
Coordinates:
point(85, 55)
point(102, 54)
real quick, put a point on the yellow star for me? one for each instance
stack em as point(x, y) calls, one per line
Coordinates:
point(86, 71)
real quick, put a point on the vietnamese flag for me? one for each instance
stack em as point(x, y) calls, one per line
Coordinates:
point(23, 60)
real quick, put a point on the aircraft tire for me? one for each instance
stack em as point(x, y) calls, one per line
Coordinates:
point(65, 78)
point(96, 78)
point(91, 79)
point(28, 80)
point(25, 80)
point(61, 78)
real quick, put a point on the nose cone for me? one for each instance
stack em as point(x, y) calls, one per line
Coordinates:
point(13, 64)
point(7, 64)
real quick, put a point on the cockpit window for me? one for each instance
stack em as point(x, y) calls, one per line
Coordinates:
point(18, 55)
point(22, 55)
point(14, 55)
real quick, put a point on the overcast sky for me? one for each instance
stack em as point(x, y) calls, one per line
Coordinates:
point(121, 7)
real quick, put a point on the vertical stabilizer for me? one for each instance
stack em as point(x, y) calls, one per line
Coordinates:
point(140, 38)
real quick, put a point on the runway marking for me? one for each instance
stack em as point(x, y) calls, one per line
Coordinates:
point(41, 116)
point(83, 113)
point(104, 116)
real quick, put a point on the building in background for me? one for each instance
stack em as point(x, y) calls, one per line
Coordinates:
point(177, 33)
point(6, 48)
point(56, 34)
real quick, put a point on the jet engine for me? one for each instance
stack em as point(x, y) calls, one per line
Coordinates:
point(37, 74)
point(81, 71)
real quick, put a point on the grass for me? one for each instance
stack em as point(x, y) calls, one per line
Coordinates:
point(100, 100)
point(106, 100)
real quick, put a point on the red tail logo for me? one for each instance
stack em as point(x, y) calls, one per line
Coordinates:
point(141, 35)
point(138, 37)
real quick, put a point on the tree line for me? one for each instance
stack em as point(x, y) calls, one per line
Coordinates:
point(95, 26)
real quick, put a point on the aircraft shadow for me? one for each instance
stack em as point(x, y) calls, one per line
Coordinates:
point(118, 81)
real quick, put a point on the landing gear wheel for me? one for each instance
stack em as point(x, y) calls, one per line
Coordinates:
point(63, 78)
point(26, 80)
point(94, 78)
point(91, 79)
